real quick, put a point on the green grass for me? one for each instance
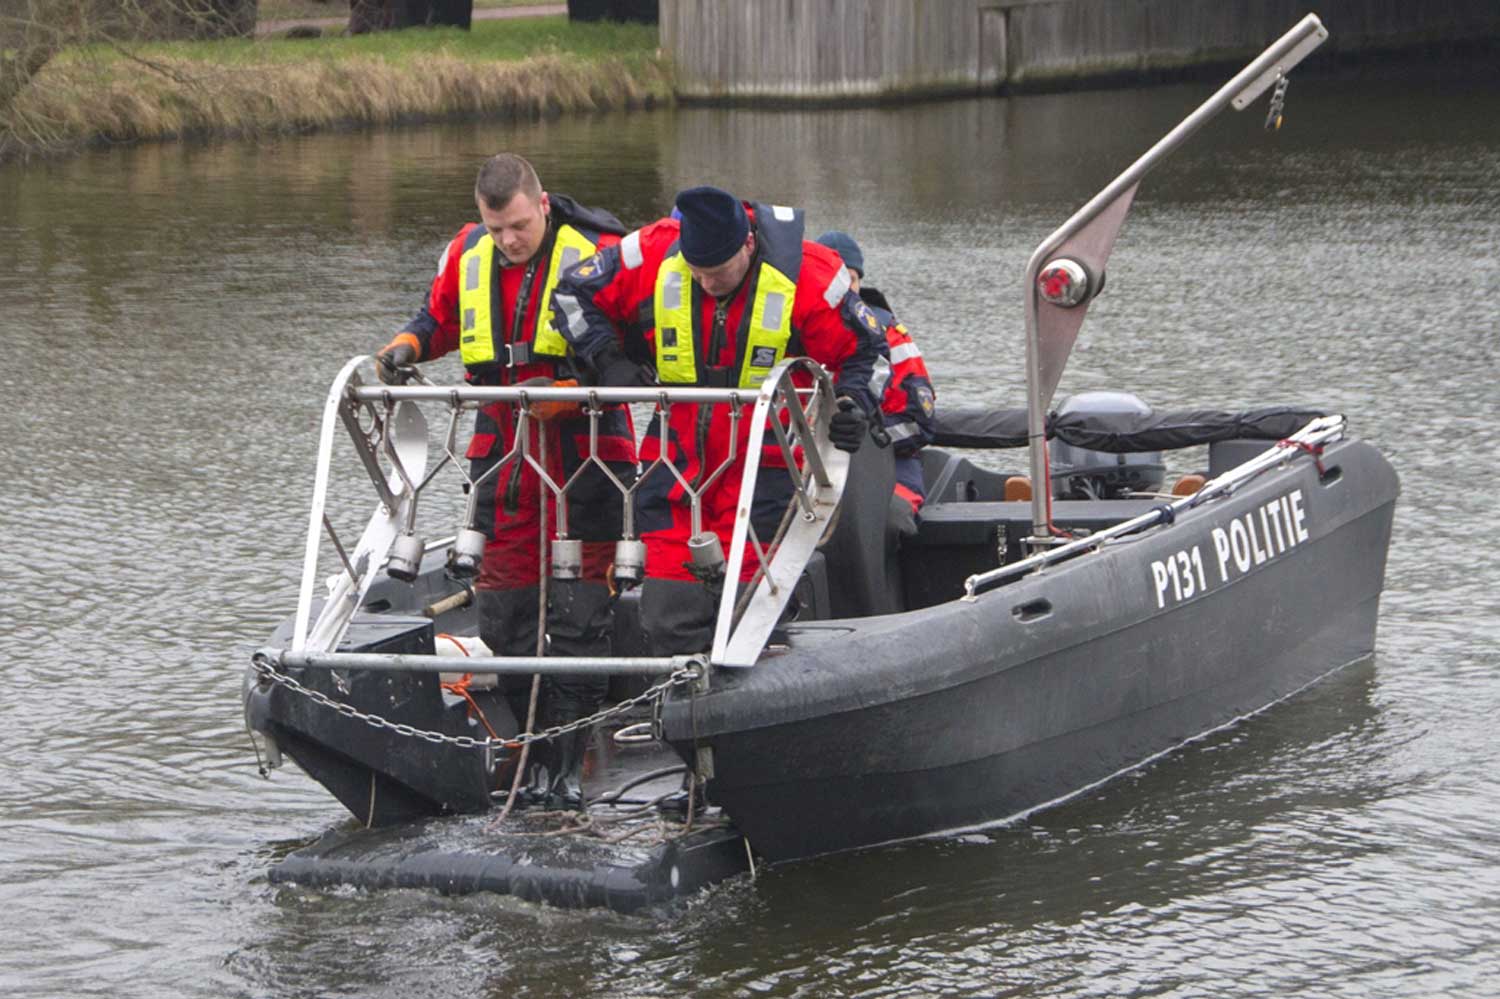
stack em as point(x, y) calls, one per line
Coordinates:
point(486, 41)
point(291, 10)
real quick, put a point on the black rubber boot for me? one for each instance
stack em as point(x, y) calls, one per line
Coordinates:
point(541, 768)
point(566, 788)
point(554, 767)
point(580, 618)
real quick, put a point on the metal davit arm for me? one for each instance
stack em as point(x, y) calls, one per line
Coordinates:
point(1047, 348)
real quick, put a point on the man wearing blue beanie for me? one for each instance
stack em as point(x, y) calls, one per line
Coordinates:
point(907, 403)
point(717, 299)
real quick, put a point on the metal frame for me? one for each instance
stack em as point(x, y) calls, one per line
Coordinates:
point(796, 417)
point(1314, 435)
point(1246, 85)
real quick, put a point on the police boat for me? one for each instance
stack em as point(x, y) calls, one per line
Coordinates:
point(1078, 617)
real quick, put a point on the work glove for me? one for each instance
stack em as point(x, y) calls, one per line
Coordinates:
point(615, 370)
point(551, 410)
point(394, 356)
point(848, 425)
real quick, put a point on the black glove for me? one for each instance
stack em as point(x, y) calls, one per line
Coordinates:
point(615, 370)
point(848, 425)
point(392, 358)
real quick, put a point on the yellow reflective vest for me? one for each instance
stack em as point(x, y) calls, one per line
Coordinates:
point(477, 298)
point(766, 330)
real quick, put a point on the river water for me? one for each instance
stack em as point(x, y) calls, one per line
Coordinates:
point(171, 316)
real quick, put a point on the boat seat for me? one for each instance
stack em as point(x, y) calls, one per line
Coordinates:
point(954, 478)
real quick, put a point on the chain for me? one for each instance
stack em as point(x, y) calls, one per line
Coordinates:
point(1278, 101)
point(655, 692)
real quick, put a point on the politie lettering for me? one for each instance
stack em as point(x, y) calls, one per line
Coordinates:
point(1250, 540)
point(1265, 532)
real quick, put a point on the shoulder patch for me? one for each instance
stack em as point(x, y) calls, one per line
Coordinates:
point(865, 317)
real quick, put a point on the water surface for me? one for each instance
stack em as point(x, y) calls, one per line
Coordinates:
point(170, 317)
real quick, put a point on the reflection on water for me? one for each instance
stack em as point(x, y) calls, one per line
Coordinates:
point(171, 317)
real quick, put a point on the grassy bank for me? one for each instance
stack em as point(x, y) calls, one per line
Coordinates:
point(282, 10)
point(515, 68)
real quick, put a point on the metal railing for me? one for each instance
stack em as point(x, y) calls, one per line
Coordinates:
point(1310, 438)
point(389, 433)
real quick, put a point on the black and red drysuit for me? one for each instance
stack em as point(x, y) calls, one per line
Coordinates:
point(606, 307)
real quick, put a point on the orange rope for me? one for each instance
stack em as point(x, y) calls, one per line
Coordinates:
point(460, 688)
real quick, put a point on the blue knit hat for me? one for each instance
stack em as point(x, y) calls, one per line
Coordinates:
point(714, 225)
point(846, 247)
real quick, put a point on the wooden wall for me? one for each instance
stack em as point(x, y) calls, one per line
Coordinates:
point(840, 49)
point(805, 49)
point(1069, 40)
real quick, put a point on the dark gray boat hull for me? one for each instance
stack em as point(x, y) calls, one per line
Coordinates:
point(968, 712)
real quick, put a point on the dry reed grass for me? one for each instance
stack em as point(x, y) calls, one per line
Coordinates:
point(83, 99)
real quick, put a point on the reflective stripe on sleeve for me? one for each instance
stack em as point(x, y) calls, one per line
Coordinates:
point(630, 251)
point(837, 288)
point(903, 352)
point(572, 312)
point(902, 430)
point(880, 377)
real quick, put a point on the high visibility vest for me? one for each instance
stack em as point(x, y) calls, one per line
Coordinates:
point(476, 298)
point(764, 331)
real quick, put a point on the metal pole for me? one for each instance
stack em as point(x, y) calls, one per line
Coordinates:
point(511, 393)
point(1277, 60)
point(413, 663)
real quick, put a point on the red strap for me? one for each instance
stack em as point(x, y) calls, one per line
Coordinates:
point(1316, 450)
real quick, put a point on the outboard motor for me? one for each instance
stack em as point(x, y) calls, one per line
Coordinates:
point(1079, 473)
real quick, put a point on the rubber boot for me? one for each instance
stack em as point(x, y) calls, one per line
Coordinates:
point(541, 768)
point(554, 767)
point(580, 617)
point(566, 789)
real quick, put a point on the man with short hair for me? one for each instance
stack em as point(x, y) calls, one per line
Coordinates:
point(491, 301)
point(909, 397)
point(716, 299)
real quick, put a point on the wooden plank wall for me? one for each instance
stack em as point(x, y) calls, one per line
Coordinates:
point(809, 49)
point(862, 49)
point(1066, 41)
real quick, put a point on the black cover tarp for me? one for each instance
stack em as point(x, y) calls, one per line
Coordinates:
point(1121, 432)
